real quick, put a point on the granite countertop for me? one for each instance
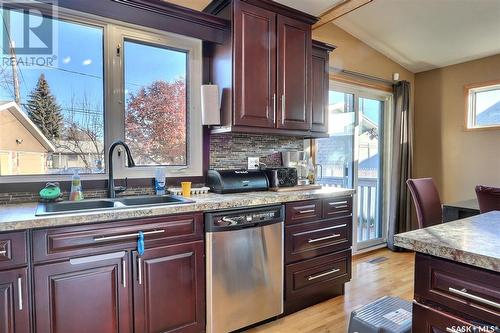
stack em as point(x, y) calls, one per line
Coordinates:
point(473, 241)
point(22, 216)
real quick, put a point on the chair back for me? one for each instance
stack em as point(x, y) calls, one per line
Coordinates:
point(427, 202)
point(488, 198)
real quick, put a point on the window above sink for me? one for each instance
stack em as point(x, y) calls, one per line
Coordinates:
point(109, 81)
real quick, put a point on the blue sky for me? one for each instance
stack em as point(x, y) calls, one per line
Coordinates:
point(79, 70)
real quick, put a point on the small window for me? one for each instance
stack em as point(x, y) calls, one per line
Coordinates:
point(483, 106)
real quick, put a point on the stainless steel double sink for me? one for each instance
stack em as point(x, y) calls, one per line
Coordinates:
point(65, 207)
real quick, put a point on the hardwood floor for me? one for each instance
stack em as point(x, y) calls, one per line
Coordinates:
point(391, 277)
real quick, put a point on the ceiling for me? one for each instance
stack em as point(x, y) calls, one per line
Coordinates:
point(193, 4)
point(425, 34)
point(418, 34)
point(313, 7)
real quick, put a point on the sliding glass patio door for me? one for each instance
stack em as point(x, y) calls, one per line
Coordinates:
point(355, 156)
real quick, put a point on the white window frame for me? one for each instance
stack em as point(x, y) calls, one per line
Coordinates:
point(114, 103)
point(470, 104)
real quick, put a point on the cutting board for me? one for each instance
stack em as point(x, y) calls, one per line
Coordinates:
point(295, 188)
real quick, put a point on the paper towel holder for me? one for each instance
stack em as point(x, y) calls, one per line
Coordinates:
point(210, 104)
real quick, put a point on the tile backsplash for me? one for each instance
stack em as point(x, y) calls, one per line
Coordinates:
point(231, 151)
point(227, 151)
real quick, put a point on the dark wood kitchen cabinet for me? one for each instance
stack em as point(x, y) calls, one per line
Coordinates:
point(14, 283)
point(169, 289)
point(451, 296)
point(90, 278)
point(87, 294)
point(264, 69)
point(320, 85)
point(14, 301)
point(254, 66)
point(294, 74)
point(318, 239)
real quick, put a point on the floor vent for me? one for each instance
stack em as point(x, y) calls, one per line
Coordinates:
point(377, 260)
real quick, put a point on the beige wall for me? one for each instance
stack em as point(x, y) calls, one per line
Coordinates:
point(354, 55)
point(11, 129)
point(457, 159)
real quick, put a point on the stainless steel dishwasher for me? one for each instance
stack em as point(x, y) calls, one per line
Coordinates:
point(244, 259)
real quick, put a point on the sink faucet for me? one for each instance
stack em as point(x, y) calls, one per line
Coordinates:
point(112, 189)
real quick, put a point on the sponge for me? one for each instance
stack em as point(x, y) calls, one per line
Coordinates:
point(51, 191)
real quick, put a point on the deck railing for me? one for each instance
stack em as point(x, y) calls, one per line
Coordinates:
point(368, 208)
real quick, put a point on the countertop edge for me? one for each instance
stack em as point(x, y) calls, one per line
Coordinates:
point(204, 203)
point(446, 252)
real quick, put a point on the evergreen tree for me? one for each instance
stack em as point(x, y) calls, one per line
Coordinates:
point(43, 109)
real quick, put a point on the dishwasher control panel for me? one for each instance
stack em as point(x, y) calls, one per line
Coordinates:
point(242, 218)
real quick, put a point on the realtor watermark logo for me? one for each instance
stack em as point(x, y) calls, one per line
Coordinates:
point(29, 37)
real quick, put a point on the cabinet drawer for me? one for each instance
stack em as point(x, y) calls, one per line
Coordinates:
point(58, 243)
point(430, 320)
point(303, 211)
point(316, 276)
point(337, 207)
point(459, 287)
point(308, 240)
point(13, 249)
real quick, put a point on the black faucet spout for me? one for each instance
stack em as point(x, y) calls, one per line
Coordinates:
point(112, 189)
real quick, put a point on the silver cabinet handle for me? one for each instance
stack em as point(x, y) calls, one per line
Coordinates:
point(135, 234)
point(20, 292)
point(139, 270)
point(478, 299)
point(283, 104)
point(338, 203)
point(124, 273)
point(339, 206)
point(3, 252)
point(314, 277)
point(323, 238)
point(307, 211)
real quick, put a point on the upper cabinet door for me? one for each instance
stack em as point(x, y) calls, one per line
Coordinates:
point(294, 74)
point(320, 82)
point(254, 66)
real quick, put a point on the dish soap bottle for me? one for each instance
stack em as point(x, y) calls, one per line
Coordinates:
point(160, 181)
point(76, 193)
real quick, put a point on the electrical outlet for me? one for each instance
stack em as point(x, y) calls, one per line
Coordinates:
point(253, 163)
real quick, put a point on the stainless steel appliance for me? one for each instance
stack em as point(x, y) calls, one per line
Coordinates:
point(233, 181)
point(244, 266)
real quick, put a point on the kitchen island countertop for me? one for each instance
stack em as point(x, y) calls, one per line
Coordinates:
point(22, 216)
point(473, 241)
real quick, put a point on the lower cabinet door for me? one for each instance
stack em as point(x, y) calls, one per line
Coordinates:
point(430, 320)
point(14, 304)
point(169, 289)
point(88, 294)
